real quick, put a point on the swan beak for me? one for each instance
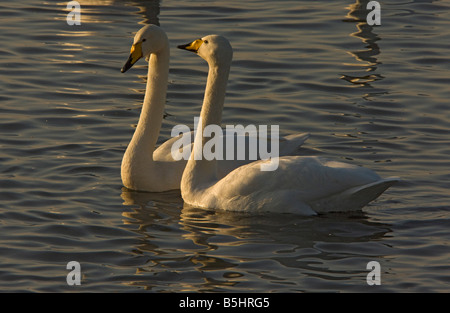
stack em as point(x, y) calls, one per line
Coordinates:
point(193, 46)
point(135, 55)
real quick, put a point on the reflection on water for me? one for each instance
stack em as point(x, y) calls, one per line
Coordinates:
point(367, 58)
point(229, 249)
point(91, 11)
point(149, 10)
point(67, 114)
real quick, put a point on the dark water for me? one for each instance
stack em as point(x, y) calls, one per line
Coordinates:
point(376, 96)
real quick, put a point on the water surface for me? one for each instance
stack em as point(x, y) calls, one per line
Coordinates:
point(376, 96)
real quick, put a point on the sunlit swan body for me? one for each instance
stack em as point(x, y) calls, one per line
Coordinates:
point(303, 185)
point(144, 168)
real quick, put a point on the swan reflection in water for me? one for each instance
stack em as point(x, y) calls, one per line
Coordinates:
point(191, 249)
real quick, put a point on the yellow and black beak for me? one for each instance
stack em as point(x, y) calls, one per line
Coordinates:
point(135, 55)
point(193, 46)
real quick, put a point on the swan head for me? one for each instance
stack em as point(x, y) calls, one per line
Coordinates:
point(215, 49)
point(149, 39)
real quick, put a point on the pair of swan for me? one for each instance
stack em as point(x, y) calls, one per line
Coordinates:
point(302, 185)
point(144, 168)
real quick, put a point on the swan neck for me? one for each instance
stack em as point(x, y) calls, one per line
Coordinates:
point(211, 113)
point(150, 120)
point(201, 172)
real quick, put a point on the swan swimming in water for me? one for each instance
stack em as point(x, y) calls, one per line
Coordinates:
point(145, 168)
point(305, 185)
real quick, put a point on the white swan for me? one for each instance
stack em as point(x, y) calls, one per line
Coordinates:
point(303, 185)
point(144, 168)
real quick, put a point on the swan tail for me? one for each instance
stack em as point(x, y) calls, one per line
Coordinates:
point(290, 143)
point(355, 198)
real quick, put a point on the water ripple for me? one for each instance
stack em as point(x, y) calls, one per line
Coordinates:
point(374, 96)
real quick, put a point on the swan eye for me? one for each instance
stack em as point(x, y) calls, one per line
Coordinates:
point(206, 41)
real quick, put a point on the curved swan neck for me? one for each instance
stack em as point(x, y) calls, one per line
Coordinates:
point(202, 171)
point(150, 120)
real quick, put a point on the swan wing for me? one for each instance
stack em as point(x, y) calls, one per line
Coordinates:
point(287, 146)
point(304, 185)
point(353, 198)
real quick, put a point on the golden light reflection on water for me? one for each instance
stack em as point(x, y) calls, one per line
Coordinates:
point(366, 58)
point(149, 9)
point(89, 13)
